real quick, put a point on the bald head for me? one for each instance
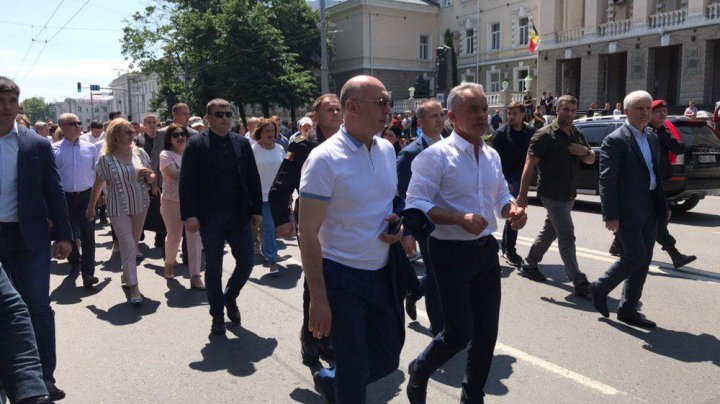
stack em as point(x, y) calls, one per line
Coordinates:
point(359, 87)
point(366, 105)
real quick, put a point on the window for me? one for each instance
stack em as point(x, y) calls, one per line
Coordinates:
point(494, 84)
point(446, 3)
point(520, 80)
point(424, 47)
point(495, 36)
point(470, 41)
point(105, 109)
point(524, 31)
point(468, 78)
point(594, 133)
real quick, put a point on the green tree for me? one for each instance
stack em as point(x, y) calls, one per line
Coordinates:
point(449, 43)
point(36, 109)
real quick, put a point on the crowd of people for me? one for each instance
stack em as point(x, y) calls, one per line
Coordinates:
point(370, 194)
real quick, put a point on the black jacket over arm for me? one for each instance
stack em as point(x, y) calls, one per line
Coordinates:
point(194, 177)
point(40, 193)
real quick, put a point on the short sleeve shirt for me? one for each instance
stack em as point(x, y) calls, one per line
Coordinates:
point(557, 167)
point(170, 186)
point(127, 193)
point(359, 186)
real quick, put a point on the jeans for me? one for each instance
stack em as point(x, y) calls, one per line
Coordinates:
point(558, 225)
point(20, 369)
point(509, 239)
point(366, 328)
point(468, 278)
point(215, 230)
point(83, 230)
point(30, 274)
point(269, 241)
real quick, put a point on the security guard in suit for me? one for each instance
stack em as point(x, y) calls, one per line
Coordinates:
point(328, 118)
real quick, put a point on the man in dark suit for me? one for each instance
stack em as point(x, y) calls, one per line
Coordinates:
point(632, 205)
point(431, 120)
point(219, 195)
point(32, 203)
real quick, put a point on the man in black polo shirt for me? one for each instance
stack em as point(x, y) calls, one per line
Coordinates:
point(511, 142)
point(556, 150)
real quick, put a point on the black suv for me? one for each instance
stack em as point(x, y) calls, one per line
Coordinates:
point(696, 174)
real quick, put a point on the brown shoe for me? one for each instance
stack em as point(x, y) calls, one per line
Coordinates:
point(169, 271)
point(196, 282)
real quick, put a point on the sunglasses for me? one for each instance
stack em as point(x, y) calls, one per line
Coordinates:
point(76, 123)
point(223, 114)
point(176, 135)
point(382, 102)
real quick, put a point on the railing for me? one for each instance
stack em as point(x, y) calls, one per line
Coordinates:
point(668, 19)
point(517, 97)
point(570, 35)
point(713, 11)
point(400, 106)
point(494, 99)
point(615, 28)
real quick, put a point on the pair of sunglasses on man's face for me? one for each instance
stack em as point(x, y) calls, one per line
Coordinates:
point(223, 114)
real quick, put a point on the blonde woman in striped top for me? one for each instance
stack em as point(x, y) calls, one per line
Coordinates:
point(126, 170)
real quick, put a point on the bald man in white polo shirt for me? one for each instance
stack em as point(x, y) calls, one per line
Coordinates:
point(346, 210)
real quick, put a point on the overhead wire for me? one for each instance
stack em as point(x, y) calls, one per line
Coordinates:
point(34, 39)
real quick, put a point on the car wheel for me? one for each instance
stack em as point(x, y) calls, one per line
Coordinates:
point(685, 205)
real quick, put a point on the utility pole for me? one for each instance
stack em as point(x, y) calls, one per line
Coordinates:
point(129, 104)
point(92, 107)
point(324, 81)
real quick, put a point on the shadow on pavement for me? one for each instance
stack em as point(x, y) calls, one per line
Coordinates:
point(71, 291)
point(453, 373)
point(113, 264)
point(306, 396)
point(287, 279)
point(573, 301)
point(237, 356)
point(385, 389)
point(181, 297)
point(696, 219)
point(124, 313)
point(678, 345)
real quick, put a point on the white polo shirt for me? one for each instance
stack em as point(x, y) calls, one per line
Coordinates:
point(359, 186)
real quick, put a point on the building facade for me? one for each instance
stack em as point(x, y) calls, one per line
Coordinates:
point(86, 108)
point(599, 50)
point(140, 88)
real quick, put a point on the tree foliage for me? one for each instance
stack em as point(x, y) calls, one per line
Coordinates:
point(36, 109)
point(247, 51)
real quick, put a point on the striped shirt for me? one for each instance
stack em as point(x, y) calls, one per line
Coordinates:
point(127, 194)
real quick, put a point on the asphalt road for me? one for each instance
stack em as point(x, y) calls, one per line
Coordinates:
point(552, 347)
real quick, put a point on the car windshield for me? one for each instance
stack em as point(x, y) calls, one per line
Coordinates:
point(698, 135)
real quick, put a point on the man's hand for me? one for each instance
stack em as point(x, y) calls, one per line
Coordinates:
point(90, 214)
point(612, 225)
point(518, 217)
point(256, 221)
point(473, 223)
point(284, 230)
point(192, 224)
point(155, 189)
point(391, 238)
point(408, 243)
point(62, 249)
point(320, 321)
point(578, 150)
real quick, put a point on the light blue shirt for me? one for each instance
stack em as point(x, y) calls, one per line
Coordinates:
point(76, 164)
point(8, 176)
point(641, 138)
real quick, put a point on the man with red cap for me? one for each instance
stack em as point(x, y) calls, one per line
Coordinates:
point(667, 144)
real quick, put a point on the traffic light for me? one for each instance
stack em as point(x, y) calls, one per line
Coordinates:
point(79, 87)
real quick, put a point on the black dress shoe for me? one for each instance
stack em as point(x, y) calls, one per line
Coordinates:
point(513, 259)
point(410, 308)
point(89, 282)
point(583, 290)
point(54, 392)
point(35, 400)
point(416, 389)
point(532, 273)
point(599, 301)
point(233, 312)
point(635, 318)
point(681, 260)
point(218, 327)
point(324, 385)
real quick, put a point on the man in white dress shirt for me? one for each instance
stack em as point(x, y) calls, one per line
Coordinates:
point(459, 183)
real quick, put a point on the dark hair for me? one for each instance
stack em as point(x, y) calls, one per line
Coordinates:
point(323, 98)
point(395, 129)
point(8, 86)
point(96, 124)
point(179, 105)
point(259, 128)
point(217, 102)
point(167, 145)
point(114, 114)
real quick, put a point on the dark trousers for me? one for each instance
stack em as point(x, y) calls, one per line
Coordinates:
point(509, 240)
point(214, 232)
point(634, 263)
point(20, 370)
point(366, 328)
point(663, 237)
point(468, 278)
point(84, 231)
point(428, 288)
point(29, 272)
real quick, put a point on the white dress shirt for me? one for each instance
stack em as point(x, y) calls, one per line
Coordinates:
point(8, 176)
point(76, 164)
point(447, 175)
point(359, 186)
point(88, 137)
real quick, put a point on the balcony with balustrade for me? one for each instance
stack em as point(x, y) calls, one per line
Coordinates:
point(712, 11)
point(614, 28)
point(572, 35)
point(668, 19)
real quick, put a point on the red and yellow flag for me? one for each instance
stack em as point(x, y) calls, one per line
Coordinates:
point(534, 38)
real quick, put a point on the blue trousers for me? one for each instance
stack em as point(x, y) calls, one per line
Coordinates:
point(269, 244)
point(510, 235)
point(214, 232)
point(366, 328)
point(84, 231)
point(29, 272)
point(20, 370)
point(468, 278)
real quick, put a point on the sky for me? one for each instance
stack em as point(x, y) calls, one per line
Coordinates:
point(86, 50)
